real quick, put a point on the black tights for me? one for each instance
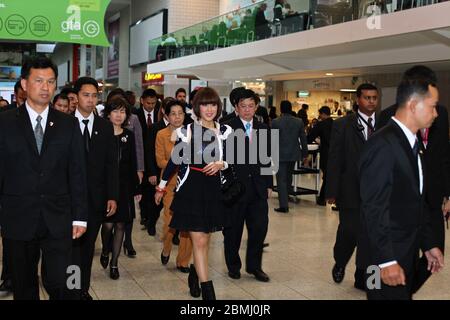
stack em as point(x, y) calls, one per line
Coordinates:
point(107, 232)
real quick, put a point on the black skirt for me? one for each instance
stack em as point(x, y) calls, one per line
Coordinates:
point(197, 205)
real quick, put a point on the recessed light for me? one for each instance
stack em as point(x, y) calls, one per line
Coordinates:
point(237, 81)
point(329, 74)
point(347, 90)
point(259, 79)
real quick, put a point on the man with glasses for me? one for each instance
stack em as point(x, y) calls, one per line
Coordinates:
point(42, 185)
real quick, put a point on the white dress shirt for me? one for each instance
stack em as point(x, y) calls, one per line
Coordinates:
point(251, 126)
point(33, 115)
point(152, 115)
point(80, 118)
point(364, 123)
point(412, 138)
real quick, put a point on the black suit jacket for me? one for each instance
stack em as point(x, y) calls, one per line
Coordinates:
point(245, 171)
point(436, 155)
point(228, 117)
point(151, 167)
point(322, 130)
point(394, 218)
point(347, 141)
point(102, 168)
point(146, 137)
point(51, 184)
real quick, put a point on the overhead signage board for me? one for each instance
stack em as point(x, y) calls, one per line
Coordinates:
point(72, 21)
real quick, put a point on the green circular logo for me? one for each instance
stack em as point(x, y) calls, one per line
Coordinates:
point(40, 26)
point(1, 24)
point(15, 25)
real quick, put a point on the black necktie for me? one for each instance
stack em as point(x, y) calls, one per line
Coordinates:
point(370, 128)
point(86, 136)
point(415, 149)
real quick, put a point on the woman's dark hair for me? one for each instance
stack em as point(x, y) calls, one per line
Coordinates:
point(172, 103)
point(114, 93)
point(117, 103)
point(206, 96)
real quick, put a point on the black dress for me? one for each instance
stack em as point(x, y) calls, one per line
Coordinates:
point(128, 179)
point(197, 204)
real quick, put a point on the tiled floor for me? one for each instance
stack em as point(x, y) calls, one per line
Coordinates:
point(298, 261)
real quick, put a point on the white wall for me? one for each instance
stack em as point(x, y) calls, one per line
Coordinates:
point(63, 53)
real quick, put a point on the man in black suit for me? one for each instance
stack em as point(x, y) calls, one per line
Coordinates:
point(252, 208)
point(348, 136)
point(323, 131)
point(102, 174)
point(435, 144)
point(42, 185)
point(234, 99)
point(19, 94)
point(148, 116)
point(395, 220)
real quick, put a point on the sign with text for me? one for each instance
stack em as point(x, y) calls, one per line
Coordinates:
point(152, 79)
point(72, 21)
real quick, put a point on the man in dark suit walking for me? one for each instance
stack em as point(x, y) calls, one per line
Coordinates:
point(348, 136)
point(148, 116)
point(252, 208)
point(323, 131)
point(434, 142)
point(291, 129)
point(42, 185)
point(395, 220)
point(102, 174)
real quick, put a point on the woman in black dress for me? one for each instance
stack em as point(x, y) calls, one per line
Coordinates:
point(117, 111)
point(197, 206)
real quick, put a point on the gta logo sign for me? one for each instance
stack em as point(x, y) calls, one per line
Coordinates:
point(73, 23)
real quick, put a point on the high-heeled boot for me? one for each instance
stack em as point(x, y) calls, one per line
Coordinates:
point(194, 288)
point(208, 290)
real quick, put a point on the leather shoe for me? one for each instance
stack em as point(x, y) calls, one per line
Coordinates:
point(265, 245)
point(151, 231)
point(129, 251)
point(164, 259)
point(183, 269)
point(104, 260)
point(260, 275)
point(321, 202)
point(338, 273)
point(283, 210)
point(5, 288)
point(234, 275)
point(114, 273)
point(86, 296)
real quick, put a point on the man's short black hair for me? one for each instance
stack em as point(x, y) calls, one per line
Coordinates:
point(247, 94)
point(148, 93)
point(420, 72)
point(37, 62)
point(68, 90)
point(286, 106)
point(365, 86)
point(407, 89)
point(305, 106)
point(17, 86)
point(180, 90)
point(85, 81)
point(61, 96)
point(235, 95)
point(325, 110)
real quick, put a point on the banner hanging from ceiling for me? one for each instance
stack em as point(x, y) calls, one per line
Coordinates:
point(72, 21)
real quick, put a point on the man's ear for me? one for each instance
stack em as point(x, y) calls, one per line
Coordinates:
point(23, 83)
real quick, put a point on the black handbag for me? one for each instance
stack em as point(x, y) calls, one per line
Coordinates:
point(232, 189)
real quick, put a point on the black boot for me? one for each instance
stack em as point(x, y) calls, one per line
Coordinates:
point(208, 290)
point(193, 282)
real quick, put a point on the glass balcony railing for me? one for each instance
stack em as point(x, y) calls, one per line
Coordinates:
point(267, 19)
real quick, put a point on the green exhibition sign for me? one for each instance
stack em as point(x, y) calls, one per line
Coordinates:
point(73, 21)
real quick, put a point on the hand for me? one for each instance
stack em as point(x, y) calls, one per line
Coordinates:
point(138, 197)
point(153, 180)
point(140, 176)
point(306, 162)
point(111, 208)
point(269, 192)
point(77, 231)
point(446, 207)
point(212, 168)
point(393, 275)
point(158, 197)
point(435, 260)
point(331, 200)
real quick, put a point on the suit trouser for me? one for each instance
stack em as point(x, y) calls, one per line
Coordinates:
point(323, 187)
point(284, 182)
point(6, 270)
point(149, 210)
point(24, 258)
point(253, 210)
point(437, 225)
point(83, 251)
point(185, 247)
point(346, 235)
